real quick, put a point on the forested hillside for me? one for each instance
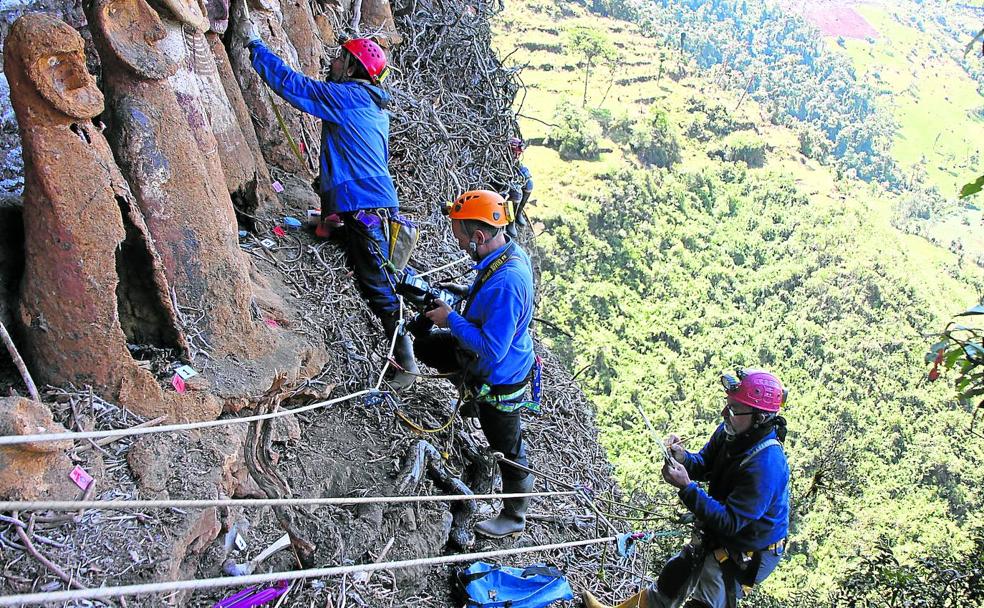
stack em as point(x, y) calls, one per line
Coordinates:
point(685, 228)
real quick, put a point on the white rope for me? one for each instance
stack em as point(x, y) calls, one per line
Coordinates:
point(272, 577)
point(464, 258)
point(123, 505)
point(169, 428)
point(392, 348)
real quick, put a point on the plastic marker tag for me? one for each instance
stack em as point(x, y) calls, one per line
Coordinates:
point(80, 477)
point(271, 323)
point(279, 231)
point(240, 542)
point(178, 383)
point(277, 187)
point(268, 243)
point(186, 372)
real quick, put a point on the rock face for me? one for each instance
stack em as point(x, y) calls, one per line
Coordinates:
point(33, 471)
point(93, 281)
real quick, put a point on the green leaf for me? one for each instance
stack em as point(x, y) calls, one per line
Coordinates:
point(977, 310)
point(951, 357)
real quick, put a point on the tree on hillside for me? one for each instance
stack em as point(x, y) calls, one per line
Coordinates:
point(590, 46)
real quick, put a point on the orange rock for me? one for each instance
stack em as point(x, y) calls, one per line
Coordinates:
point(33, 471)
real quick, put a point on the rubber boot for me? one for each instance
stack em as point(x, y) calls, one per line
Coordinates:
point(403, 355)
point(639, 600)
point(511, 520)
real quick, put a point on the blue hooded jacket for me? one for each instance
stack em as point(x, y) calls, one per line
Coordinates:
point(746, 506)
point(354, 133)
point(497, 328)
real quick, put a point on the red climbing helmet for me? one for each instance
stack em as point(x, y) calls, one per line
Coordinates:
point(370, 55)
point(755, 388)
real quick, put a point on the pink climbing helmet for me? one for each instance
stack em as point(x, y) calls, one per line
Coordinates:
point(370, 55)
point(755, 388)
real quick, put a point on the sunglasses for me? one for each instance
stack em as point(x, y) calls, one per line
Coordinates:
point(731, 413)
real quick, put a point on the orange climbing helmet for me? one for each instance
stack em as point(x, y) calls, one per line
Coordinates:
point(370, 55)
point(483, 206)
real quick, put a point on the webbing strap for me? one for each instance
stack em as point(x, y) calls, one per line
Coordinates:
point(490, 270)
point(758, 448)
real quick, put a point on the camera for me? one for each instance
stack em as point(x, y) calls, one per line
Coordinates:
point(421, 295)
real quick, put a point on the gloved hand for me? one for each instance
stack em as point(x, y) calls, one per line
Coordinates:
point(252, 34)
point(456, 288)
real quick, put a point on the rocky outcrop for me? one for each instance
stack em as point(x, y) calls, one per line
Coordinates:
point(33, 471)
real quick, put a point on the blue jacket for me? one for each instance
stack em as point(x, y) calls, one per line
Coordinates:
point(354, 133)
point(746, 507)
point(498, 322)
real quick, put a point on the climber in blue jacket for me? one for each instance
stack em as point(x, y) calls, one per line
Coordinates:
point(354, 180)
point(742, 516)
point(487, 346)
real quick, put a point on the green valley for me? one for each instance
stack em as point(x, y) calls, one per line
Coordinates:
point(686, 225)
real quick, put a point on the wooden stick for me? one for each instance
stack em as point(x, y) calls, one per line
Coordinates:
point(55, 569)
point(109, 440)
point(26, 375)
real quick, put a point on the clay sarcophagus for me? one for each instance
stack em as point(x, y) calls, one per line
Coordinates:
point(211, 118)
point(376, 20)
point(304, 36)
point(274, 132)
point(93, 281)
point(264, 198)
point(185, 203)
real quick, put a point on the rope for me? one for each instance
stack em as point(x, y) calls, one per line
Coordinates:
point(21, 439)
point(425, 431)
point(464, 258)
point(272, 577)
point(283, 128)
point(122, 505)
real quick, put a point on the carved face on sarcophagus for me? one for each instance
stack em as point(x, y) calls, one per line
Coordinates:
point(50, 57)
point(93, 282)
point(131, 30)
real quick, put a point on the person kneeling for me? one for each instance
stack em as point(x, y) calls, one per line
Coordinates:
point(488, 347)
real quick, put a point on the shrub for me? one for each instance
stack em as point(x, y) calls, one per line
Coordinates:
point(576, 134)
point(745, 147)
point(813, 143)
point(653, 140)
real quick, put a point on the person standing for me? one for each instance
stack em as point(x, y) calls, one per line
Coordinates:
point(488, 347)
point(355, 182)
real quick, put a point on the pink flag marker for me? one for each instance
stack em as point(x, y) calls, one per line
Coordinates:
point(178, 383)
point(80, 477)
point(277, 187)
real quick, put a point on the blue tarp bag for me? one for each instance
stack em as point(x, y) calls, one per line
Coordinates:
point(484, 585)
